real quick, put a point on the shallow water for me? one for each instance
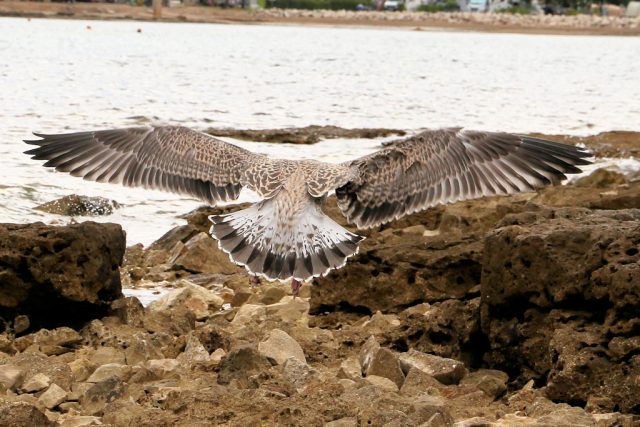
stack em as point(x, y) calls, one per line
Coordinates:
point(58, 76)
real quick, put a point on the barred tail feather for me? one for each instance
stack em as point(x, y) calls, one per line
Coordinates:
point(308, 245)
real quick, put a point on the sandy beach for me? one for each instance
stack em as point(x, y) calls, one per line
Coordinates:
point(457, 21)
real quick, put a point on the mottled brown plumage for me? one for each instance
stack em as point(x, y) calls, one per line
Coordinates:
point(286, 235)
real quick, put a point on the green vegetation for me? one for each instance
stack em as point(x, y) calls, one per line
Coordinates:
point(516, 10)
point(316, 4)
point(446, 6)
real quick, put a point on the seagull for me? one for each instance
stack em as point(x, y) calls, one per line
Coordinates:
point(286, 235)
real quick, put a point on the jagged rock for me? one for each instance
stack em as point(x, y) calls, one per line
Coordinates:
point(201, 255)
point(418, 382)
point(99, 394)
point(343, 422)
point(109, 370)
point(601, 178)
point(194, 351)
point(431, 410)
point(21, 323)
point(176, 321)
point(350, 369)
point(296, 371)
point(447, 371)
point(79, 421)
point(248, 314)
point(75, 205)
point(80, 369)
point(162, 367)
point(129, 310)
point(448, 329)
point(53, 396)
point(392, 272)
point(22, 414)
point(50, 342)
point(382, 383)
point(11, 376)
point(490, 381)
point(279, 346)
point(556, 292)
point(59, 275)
point(36, 383)
point(141, 348)
point(200, 301)
point(34, 363)
point(241, 363)
point(382, 362)
point(105, 355)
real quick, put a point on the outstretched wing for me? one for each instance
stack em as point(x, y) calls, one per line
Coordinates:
point(448, 165)
point(170, 158)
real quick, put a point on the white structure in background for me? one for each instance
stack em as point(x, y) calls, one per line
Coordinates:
point(633, 9)
point(495, 5)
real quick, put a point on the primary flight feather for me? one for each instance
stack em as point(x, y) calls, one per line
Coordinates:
point(286, 235)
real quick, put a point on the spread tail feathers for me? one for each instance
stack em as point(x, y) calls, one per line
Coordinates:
point(309, 244)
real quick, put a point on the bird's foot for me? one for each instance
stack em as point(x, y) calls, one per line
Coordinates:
point(254, 281)
point(295, 287)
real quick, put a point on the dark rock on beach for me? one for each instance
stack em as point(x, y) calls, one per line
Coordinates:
point(304, 135)
point(560, 302)
point(59, 275)
point(75, 205)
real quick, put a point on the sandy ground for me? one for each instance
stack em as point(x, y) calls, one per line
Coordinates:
point(583, 25)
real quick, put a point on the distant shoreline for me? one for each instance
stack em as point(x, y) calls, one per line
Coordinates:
point(492, 23)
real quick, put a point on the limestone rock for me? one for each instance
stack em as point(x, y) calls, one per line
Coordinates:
point(241, 363)
point(53, 396)
point(104, 355)
point(36, 383)
point(79, 421)
point(557, 293)
point(343, 422)
point(11, 376)
point(382, 383)
point(296, 371)
point(34, 363)
point(419, 382)
point(76, 266)
point(109, 370)
point(380, 362)
point(99, 394)
point(200, 301)
point(280, 347)
point(447, 371)
point(129, 310)
point(22, 414)
point(490, 381)
point(51, 342)
point(194, 351)
point(350, 369)
point(162, 367)
point(80, 368)
point(201, 255)
point(142, 348)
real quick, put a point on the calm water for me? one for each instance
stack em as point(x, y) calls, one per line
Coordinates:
point(57, 76)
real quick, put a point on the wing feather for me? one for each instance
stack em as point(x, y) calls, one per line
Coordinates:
point(169, 158)
point(448, 165)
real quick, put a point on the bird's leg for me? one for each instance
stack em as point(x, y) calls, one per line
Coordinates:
point(295, 287)
point(254, 281)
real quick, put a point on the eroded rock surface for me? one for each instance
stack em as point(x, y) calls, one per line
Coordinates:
point(59, 275)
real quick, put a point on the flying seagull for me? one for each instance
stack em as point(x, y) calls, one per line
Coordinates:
point(286, 235)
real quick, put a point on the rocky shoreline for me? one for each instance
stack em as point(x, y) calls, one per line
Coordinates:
point(458, 21)
point(507, 311)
